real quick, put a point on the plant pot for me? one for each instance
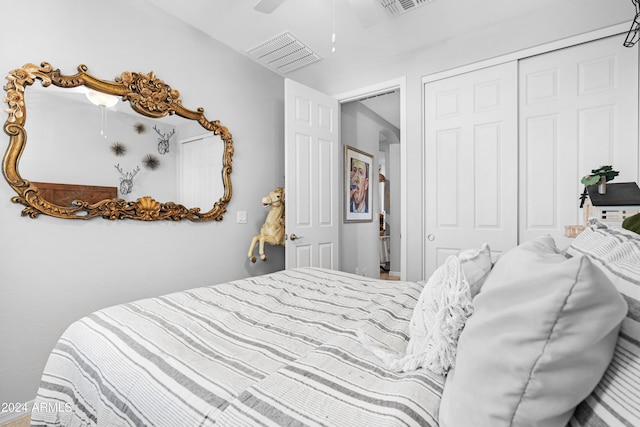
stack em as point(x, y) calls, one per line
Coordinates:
point(602, 185)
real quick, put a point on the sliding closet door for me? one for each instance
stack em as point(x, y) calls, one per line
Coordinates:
point(471, 162)
point(578, 111)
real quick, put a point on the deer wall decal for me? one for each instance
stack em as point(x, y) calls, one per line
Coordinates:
point(126, 181)
point(163, 141)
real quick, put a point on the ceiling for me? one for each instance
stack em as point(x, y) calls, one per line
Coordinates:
point(367, 37)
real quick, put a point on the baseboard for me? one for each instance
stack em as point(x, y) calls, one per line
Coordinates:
point(7, 417)
point(394, 273)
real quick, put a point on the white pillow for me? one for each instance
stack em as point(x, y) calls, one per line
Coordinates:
point(542, 334)
point(438, 318)
point(476, 265)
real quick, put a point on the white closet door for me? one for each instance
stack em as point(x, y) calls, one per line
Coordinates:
point(578, 111)
point(471, 163)
point(200, 168)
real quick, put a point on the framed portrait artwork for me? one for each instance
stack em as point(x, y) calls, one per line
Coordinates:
point(358, 185)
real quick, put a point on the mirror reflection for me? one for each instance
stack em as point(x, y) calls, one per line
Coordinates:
point(111, 145)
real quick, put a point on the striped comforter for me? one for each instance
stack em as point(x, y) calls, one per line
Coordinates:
point(279, 349)
point(616, 399)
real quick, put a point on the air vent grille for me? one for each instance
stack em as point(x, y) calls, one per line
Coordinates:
point(284, 53)
point(399, 7)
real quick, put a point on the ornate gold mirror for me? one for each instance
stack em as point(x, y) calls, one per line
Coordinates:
point(88, 139)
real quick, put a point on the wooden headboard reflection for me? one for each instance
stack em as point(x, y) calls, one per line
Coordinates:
point(65, 194)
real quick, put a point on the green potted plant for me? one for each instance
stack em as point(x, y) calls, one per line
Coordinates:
point(600, 177)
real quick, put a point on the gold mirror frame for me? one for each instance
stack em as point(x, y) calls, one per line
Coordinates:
point(148, 96)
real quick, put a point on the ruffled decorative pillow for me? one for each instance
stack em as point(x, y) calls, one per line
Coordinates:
point(438, 318)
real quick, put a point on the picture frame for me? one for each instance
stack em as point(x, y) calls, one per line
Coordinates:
point(358, 185)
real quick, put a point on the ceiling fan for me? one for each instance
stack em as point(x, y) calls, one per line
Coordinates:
point(367, 11)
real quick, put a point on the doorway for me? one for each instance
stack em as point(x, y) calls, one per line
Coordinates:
point(373, 120)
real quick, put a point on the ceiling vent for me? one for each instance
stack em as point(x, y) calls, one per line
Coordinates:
point(399, 7)
point(284, 53)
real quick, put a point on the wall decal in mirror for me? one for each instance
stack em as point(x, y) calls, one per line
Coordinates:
point(126, 180)
point(163, 141)
point(151, 162)
point(144, 102)
point(118, 148)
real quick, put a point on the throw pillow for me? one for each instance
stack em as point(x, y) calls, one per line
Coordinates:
point(476, 265)
point(438, 317)
point(632, 223)
point(542, 334)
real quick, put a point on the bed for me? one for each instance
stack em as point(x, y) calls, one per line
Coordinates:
point(279, 349)
point(295, 348)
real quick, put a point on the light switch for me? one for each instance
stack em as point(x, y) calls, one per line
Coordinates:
point(241, 217)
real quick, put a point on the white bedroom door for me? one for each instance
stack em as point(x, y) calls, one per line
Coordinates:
point(312, 169)
point(578, 111)
point(471, 155)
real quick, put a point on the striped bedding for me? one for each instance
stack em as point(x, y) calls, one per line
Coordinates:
point(279, 349)
point(616, 399)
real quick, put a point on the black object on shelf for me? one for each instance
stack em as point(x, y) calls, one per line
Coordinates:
point(618, 194)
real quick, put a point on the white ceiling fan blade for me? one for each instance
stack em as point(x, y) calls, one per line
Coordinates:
point(267, 6)
point(367, 11)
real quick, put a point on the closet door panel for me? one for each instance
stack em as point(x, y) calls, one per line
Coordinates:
point(541, 131)
point(578, 110)
point(470, 163)
point(448, 174)
point(486, 175)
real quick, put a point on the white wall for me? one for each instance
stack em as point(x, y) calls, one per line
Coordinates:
point(395, 168)
point(54, 271)
point(571, 17)
point(390, 147)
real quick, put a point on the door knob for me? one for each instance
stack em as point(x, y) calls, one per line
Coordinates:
point(431, 237)
point(293, 236)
